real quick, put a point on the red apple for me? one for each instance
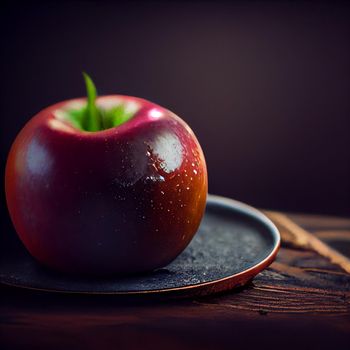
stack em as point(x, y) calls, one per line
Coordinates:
point(121, 198)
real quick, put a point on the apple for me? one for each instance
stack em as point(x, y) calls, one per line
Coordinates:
point(106, 185)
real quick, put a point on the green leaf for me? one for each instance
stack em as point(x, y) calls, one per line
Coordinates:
point(76, 116)
point(118, 115)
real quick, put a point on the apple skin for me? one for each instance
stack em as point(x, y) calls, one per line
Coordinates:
point(123, 200)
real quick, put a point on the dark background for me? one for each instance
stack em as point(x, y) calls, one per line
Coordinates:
point(265, 86)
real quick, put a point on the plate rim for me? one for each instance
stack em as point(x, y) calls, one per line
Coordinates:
point(221, 284)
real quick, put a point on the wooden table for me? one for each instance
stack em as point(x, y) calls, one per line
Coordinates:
point(301, 301)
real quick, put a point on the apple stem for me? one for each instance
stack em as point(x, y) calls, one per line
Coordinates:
point(93, 119)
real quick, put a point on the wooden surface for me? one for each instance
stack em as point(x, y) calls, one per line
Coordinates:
point(301, 301)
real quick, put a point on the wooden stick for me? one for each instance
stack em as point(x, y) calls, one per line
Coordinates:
point(307, 240)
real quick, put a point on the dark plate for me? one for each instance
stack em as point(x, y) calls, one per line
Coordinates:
point(233, 244)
